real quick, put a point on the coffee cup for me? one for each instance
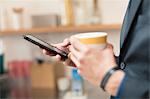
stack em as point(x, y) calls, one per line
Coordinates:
point(93, 39)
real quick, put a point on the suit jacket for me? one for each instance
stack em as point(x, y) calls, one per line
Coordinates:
point(134, 57)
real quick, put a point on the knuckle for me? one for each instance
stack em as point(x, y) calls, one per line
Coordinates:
point(81, 57)
point(80, 60)
point(110, 46)
point(87, 50)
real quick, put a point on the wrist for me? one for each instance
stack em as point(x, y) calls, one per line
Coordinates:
point(106, 69)
point(114, 82)
point(107, 76)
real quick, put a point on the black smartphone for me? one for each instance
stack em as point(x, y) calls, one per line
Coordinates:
point(44, 45)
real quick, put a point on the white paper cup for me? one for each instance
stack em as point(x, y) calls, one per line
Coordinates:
point(93, 39)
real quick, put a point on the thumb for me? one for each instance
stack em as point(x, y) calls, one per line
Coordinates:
point(65, 43)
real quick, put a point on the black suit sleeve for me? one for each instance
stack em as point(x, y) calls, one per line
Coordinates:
point(130, 90)
point(117, 59)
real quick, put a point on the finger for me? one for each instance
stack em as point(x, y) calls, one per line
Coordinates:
point(63, 46)
point(45, 52)
point(109, 48)
point(69, 62)
point(48, 53)
point(74, 51)
point(65, 43)
point(77, 45)
point(58, 57)
point(75, 61)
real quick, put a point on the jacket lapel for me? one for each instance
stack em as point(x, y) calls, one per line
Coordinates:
point(131, 12)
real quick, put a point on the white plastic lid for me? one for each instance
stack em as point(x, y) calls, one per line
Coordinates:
point(91, 35)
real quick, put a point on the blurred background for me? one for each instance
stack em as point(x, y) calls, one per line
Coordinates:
point(24, 71)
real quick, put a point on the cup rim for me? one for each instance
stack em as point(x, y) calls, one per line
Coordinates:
point(90, 35)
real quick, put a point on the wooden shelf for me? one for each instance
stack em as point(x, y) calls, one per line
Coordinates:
point(62, 29)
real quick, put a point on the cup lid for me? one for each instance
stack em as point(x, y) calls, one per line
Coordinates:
point(90, 35)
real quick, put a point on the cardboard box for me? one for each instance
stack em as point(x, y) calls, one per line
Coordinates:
point(45, 76)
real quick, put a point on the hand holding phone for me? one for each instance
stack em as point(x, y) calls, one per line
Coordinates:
point(48, 47)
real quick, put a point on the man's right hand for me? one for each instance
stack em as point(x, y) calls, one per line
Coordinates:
point(64, 46)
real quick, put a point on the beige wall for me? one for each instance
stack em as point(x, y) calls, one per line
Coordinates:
point(112, 11)
point(32, 7)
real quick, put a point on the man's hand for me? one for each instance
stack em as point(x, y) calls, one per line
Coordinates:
point(62, 46)
point(93, 63)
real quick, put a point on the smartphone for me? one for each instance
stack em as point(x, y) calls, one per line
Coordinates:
point(44, 45)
